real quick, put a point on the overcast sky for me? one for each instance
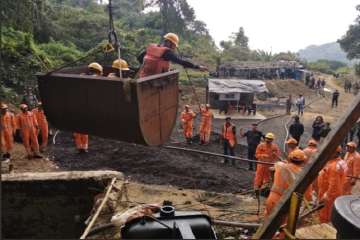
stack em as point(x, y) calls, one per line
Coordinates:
point(278, 25)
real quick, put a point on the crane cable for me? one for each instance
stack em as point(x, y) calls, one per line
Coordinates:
point(112, 37)
point(191, 85)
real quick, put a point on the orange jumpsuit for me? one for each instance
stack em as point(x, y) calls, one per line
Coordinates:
point(353, 169)
point(267, 153)
point(309, 152)
point(7, 131)
point(205, 125)
point(285, 174)
point(81, 141)
point(187, 119)
point(28, 125)
point(330, 187)
point(43, 125)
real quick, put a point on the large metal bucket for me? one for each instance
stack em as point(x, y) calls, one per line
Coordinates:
point(140, 111)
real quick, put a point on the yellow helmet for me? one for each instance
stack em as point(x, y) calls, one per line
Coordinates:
point(351, 144)
point(96, 66)
point(172, 37)
point(23, 106)
point(312, 142)
point(120, 64)
point(270, 136)
point(3, 106)
point(292, 141)
point(297, 155)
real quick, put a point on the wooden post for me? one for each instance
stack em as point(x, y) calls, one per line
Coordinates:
point(88, 228)
point(310, 172)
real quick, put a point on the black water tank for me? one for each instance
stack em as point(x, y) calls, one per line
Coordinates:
point(346, 217)
point(170, 224)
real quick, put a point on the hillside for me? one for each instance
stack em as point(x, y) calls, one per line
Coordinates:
point(328, 51)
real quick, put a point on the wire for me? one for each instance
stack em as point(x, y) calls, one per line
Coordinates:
point(192, 85)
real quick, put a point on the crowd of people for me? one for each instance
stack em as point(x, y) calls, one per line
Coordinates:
point(332, 180)
point(353, 87)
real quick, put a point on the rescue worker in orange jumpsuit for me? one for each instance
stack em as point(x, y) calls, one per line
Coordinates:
point(267, 152)
point(285, 175)
point(205, 124)
point(157, 57)
point(82, 140)
point(352, 159)
point(7, 131)
point(330, 185)
point(43, 125)
point(292, 145)
point(229, 139)
point(187, 119)
point(28, 125)
point(311, 149)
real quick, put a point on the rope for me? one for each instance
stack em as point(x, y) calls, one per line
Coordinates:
point(192, 85)
point(91, 53)
point(112, 36)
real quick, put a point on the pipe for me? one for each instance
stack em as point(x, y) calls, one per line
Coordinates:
point(218, 155)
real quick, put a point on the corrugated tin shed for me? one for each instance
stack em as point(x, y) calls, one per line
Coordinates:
point(225, 86)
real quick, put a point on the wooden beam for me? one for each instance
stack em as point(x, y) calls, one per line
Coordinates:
point(310, 172)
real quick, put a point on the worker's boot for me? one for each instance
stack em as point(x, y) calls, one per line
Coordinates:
point(29, 156)
point(42, 149)
point(6, 156)
point(37, 155)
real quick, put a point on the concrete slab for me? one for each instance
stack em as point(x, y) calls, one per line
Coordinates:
point(238, 116)
point(66, 176)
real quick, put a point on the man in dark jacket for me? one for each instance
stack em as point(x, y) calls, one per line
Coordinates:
point(335, 98)
point(296, 129)
point(253, 138)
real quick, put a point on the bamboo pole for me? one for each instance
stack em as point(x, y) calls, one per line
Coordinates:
point(96, 215)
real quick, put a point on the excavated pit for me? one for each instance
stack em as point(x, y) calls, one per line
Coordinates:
point(50, 205)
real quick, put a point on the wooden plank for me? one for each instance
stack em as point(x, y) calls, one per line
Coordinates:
point(319, 231)
point(310, 172)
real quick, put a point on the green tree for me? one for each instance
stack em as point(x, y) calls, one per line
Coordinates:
point(350, 43)
point(240, 40)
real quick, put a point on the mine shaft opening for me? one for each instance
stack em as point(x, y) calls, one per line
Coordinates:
point(54, 208)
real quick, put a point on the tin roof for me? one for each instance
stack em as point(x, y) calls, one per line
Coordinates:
point(226, 86)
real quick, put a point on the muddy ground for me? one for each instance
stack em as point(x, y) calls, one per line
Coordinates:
point(155, 165)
